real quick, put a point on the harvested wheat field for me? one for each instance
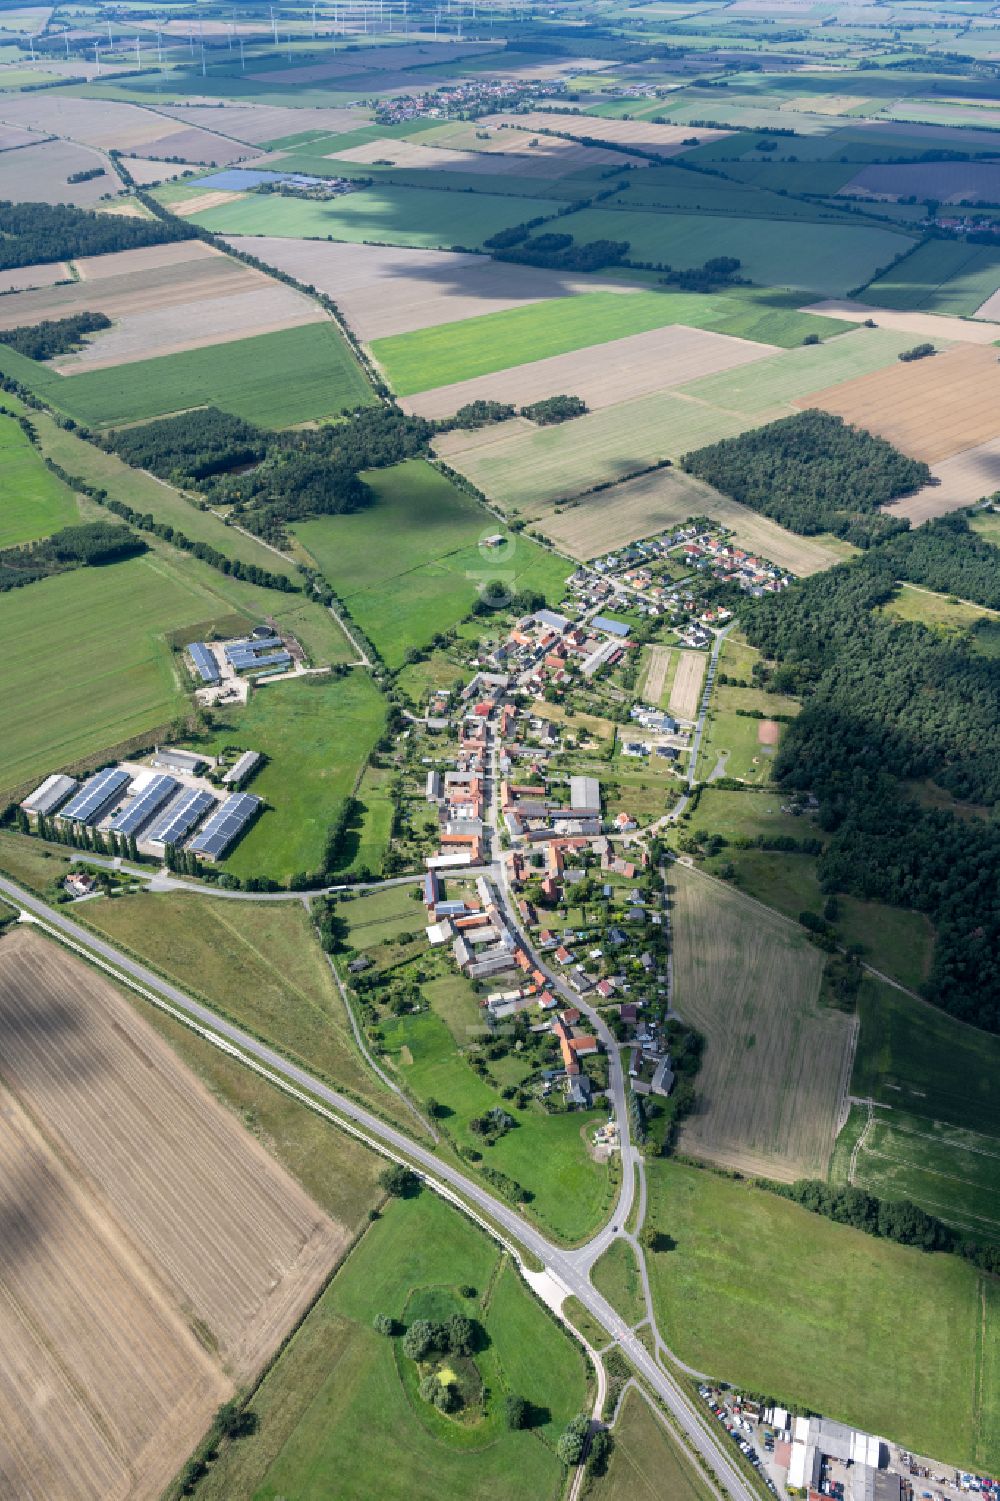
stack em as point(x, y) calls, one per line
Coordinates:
point(145, 170)
point(656, 674)
point(685, 692)
point(163, 299)
point(22, 277)
point(258, 124)
point(931, 408)
point(127, 127)
point(665, 140)
point(959, 481)
point(40, 173)
point(651, 503)
point(938, 326)
point(384, 290)
point(773, 1084)
point(602, 375)
point(152, 1255)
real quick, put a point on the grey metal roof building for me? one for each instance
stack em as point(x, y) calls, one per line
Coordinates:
point(612, 627)
point(241, 769)
point(97, 795)
point(204, 662)
point(178, 760)
point(52, 792)
point(225, 825)
point(249, 660)
point(585, 794)
point(180, 818)
point(143, 808)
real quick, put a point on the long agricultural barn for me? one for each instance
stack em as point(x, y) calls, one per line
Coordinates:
point(50, 795)
point(225, 825)
point(180, 818)
point(140, 810)
point(99, 793)
point(238, 773)
point(205, 664)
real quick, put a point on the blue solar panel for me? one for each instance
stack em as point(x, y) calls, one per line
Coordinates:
point(96, 794)
point(225, 824)
point(250, 648)
point(204, 661)
point(181, 817)
point(138, 813)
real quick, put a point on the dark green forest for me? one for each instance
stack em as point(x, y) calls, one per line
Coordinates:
point(53, 336)
point(32, 233)
point(87, 545)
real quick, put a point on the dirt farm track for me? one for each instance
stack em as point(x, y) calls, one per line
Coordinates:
point(152, 1255)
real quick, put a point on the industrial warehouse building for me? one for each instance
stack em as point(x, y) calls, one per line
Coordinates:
point(52, 793)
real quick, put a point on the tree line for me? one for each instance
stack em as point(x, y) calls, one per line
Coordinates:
point(32, 233)
point(87, 545)
point(813, 473)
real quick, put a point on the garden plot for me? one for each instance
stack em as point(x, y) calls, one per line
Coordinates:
point(39, 174)
point(384, 290)
point(927, 325)
point(685, 693)
point(163, 299)
point(105, 123)
point(665, 140)
point(153, 1254)
point(931, 409)
point(603, 375)
point(774, 1079)
point(642, 507)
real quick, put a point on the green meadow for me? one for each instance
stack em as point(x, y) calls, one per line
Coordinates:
point(33, 502)
point(941, 276)
point(414, 562)
point(339, 1413)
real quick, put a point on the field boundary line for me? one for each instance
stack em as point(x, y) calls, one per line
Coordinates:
point(852, 1168)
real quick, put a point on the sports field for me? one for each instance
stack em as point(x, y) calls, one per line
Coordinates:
point(33, 502)
point(414, 563)
point(273, 379)
point(468, 347)
point(338, 1379)
point(387, 215)
point(755, 1286)
point(154, 1256)
point(775, 1074)
point(941, 276)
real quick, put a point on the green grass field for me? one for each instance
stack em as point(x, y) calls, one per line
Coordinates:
point(337, 1413)
point(317, 734)
point(385, 215)
point(546, 1154)
point(412, 564)
point(257, 962)
point(647, 1462)
point(278, 379)
point(33, 502)
point(616, 1275)
point(760, 1292)
point(940, 612)
point(496, 341)
point(380, 915)
point(828, 258)
point(941, 276)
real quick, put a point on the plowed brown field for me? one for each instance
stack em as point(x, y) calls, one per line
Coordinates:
point(151, 1253)
point(931, 408)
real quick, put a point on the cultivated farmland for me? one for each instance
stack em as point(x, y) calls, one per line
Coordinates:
point(774, 1081)
point(940, 327)
point(685, 693)
point(603, 374)
point(947, 182)
point(149, 1240)
point(940, 276)
point(665, 140)
point(958, 481)
point(931, 408)
point(106, 123)
point(33, 502)
point(40, 172)
point(385, 290)
point(755, 1285)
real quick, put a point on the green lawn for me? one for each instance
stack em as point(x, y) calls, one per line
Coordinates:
point(276, 379)
point(761, 1292)
point(317, 734)
point(733, 740)
point(33, 502)
point(828, 258)
point(647, 1462)
point(616, 1275)
point(941, 276)
point(259, 963)
point(381, 915)
point(496, 341)
point(938, 612)
point(413, 564)
point(338, 1415)
point(421, 217)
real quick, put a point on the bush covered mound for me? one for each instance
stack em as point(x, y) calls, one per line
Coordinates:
point(812, 473)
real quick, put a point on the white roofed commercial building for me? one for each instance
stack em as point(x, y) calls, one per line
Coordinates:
point(585, 794)
point(52, 793)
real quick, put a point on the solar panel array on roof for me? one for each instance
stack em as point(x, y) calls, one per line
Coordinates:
point(269, 662)
point(144, 806)
point(204, 661)
point(181, 817)
point(225, 825)
point(96, 795)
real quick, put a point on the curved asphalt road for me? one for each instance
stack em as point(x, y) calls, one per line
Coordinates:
point(562, 1266)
